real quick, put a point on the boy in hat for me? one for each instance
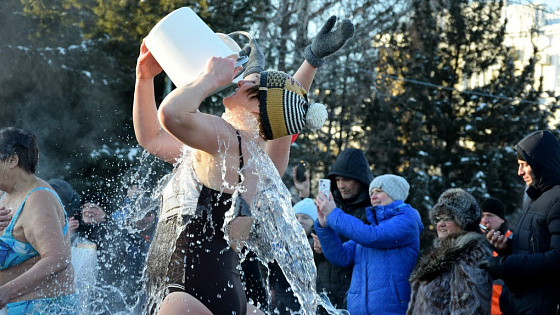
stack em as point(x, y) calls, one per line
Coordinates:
point(306, 214)
point(494, 215)
point(494, 218)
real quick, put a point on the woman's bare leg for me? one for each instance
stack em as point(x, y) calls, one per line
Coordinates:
point(179, 303)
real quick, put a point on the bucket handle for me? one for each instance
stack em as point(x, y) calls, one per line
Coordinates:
point(241, 60)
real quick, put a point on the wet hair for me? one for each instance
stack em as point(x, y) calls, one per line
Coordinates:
point(23, 143)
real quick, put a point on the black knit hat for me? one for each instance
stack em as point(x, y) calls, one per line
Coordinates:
point(495, 206)
point(99, 199)
point(520, 156)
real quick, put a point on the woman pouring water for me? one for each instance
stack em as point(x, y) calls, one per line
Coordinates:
point(229, 156)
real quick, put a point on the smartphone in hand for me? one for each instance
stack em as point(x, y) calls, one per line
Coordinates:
point(325, 187)
point(77, 214)
point(300, 171)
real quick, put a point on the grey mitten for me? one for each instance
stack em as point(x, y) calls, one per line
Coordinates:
point(327, 43)
point(256, 58)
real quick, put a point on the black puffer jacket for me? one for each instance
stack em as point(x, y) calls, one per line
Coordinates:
point(532, 269)
point(351, 163)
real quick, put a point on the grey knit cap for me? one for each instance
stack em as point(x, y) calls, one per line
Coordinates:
point(395, 186)
point(459, 204)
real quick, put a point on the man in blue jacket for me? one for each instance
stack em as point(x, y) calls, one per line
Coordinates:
point(382, 251)
point(529, 263)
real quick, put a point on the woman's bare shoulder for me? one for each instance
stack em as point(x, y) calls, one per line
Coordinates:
point(44, 202)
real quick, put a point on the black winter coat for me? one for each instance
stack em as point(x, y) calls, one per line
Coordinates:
point(351, 163)
point(531, 271)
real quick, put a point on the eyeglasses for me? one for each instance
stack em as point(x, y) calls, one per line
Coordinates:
point(446, 219)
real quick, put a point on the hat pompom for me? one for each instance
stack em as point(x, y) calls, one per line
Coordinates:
point(316, 116)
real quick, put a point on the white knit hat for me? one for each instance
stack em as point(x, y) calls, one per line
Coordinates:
point(306, 206)
point(394, 186)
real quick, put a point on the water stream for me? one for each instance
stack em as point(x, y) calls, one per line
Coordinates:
point(275, 235)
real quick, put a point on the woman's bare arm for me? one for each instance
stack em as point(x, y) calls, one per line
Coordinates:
point(43, 230)
point(179, 113)
point(149, 132)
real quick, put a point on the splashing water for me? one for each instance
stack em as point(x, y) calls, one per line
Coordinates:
point(108, 272)
point(275, 234)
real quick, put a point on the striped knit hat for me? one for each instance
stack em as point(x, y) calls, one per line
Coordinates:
point(284, 108)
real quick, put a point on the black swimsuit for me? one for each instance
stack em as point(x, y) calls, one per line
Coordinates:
point(203, 264)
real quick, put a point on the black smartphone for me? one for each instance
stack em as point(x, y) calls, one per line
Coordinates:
point(77, 214)
point(300, 171)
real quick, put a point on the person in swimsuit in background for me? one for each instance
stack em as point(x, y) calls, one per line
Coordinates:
point(265, 109)
point(36, 275)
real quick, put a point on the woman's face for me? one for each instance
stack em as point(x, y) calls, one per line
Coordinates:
point(93, 214)
point(3, 173)
point(6, 168)
point(379, 198)
point(446, 226)
point(241, 97)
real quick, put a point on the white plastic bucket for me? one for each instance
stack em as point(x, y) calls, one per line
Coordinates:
point(182, 44)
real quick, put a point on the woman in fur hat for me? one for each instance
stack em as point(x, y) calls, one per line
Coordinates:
point(449, 278)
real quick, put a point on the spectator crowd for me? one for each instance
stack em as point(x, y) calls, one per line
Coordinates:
point(69, 252)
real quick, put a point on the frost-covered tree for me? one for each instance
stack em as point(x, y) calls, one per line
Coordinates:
point(455, 131)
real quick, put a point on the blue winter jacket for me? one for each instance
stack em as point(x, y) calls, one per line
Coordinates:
point(383, 253)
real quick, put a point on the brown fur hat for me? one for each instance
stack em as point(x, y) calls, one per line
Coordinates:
point(459, 204)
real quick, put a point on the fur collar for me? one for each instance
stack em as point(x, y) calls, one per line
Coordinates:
point(446, 253)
